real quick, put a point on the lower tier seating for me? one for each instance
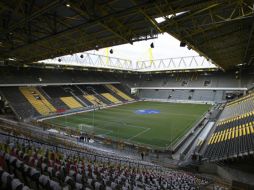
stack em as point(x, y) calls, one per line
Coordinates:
point(49, 100)
point(37, 100)
point(111, 98)
point(233, 136)
point(25, 164)
point(71, 102)
point(119, 92)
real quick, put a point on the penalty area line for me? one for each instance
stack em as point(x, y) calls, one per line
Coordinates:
point(142, 132)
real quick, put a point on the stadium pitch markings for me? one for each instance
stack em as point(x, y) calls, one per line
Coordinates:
point(117, 122)
point(139, 134)
point(152, 130)
point(147, 111)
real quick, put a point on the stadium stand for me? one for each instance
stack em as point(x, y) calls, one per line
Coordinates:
point(94, 100)
point(27, 164)
point(216, 79)
point(46, 73)
point(119, 92)
point(38, 101)
point(71, 102)
point(22, 108)
point(238, 106)
point(193, 95)
point(233, 136)
point(111, 98)
point(78, 93)
point(92, 96)
point(50, 100)
point(103, 91)
point(53, 93)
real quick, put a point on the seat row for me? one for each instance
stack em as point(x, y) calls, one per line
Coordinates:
point(45, 167)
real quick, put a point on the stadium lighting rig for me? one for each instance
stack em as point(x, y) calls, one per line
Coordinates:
point(182, 44)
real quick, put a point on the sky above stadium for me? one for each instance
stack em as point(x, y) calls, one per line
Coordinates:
point(165, 46)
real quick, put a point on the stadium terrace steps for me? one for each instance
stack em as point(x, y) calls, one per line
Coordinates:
point(101, 98)
point(234, 135)
point(111, 98)
point(84, 100)
point(28, 164)
point(118, 92)
point(71, 102)
point(232, 142)
point(96, 91)
point(238, 107)
point(79, 93)
point(55, 100)
point(19, 103)
point(94, 100)
point(38, 101)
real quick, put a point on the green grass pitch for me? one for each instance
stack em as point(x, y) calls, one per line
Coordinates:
point(122, 123)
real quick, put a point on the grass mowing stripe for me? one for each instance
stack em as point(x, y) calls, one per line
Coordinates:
point(171, 123)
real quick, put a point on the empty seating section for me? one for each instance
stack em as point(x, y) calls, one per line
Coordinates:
point(104, 92)
point(38, 101)
point(19, 103)
point(71, 102)
point(55, 91)
point(33, 102)
point(95, 101)
point(79, 93)
point(199, 79)
point(239, 106)
point(111, 98)
point(92, 94)
point(191, 95)
point(234, 133)
point(119, 92)
point(25, 165)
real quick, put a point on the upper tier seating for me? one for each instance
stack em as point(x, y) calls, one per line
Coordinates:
point(193, 95)
point(201, 80)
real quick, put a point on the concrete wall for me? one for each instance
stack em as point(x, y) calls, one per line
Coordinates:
point(227, 174)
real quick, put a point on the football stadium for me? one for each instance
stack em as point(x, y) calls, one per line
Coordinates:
point(126, 95)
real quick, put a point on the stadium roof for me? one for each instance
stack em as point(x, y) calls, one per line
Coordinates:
point(40, 29)
point(222, 30)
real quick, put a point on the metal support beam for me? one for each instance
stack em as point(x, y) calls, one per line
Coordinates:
point(85, 15)
point(151, 20)
point(250, 38)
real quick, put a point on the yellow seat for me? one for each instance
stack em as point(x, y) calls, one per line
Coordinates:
point(95, 101)
point(37, 100)
point(111, 98)
point(119, 92)
point(71, 102)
